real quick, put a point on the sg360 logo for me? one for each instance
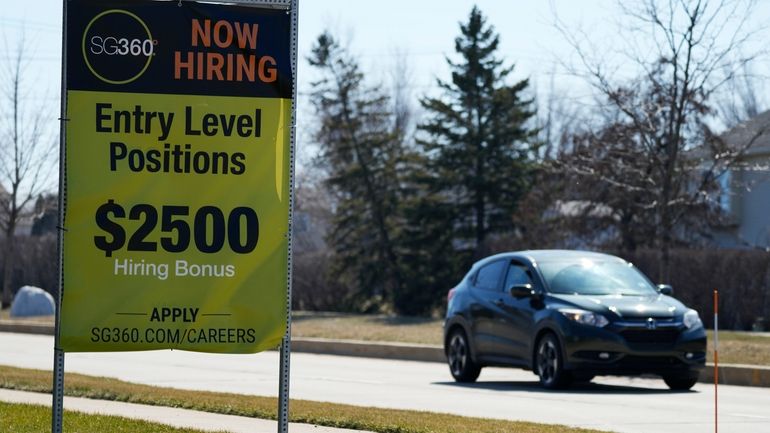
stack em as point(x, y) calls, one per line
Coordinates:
point(112, 46)
point(118, 46)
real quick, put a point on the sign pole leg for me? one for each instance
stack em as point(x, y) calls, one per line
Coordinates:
point(58, 391)
point(57, 394)
point(716, 360)
point(283, 391)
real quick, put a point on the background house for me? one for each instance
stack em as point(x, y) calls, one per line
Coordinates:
point(745, 193)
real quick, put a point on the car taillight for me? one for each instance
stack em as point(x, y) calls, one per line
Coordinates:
point(450, 295)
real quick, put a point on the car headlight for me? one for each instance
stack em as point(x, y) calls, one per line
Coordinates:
point(584, 317)
point(691, 319)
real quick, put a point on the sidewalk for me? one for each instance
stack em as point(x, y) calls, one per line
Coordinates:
point(182, 418)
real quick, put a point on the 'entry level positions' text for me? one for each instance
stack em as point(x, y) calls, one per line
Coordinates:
point(140, 121)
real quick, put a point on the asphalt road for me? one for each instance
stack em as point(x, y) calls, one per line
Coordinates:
point(612, 404)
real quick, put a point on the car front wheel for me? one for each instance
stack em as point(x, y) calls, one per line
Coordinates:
point(680, 383)
point(549, 363)
point(461, 365)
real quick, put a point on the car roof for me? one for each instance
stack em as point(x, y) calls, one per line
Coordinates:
point(535, 256)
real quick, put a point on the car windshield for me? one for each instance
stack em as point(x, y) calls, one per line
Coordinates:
point(594, 277)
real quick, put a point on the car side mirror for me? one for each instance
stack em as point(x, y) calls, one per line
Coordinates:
point(665, 289)
point(519, 291)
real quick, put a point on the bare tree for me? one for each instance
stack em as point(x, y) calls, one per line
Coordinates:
point(664, 111)
point(558, 119)
point(313, 216)
point(742, 98)
point(401, 96)
point(27, 154)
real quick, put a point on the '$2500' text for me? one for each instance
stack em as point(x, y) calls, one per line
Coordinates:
point(210, 230)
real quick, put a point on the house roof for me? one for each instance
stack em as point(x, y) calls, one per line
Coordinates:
point(744, 132)
point(578, 208)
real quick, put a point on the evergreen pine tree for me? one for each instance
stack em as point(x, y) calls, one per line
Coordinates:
point(360, 152)
point(479, 146)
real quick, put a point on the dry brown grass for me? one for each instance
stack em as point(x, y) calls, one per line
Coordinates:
point(6, 315)
point(366, 327)
point(741, 348)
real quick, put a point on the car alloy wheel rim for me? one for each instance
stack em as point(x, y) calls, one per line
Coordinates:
point(458, 354)
point(547, 361)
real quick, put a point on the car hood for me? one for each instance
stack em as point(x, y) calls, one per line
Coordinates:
point(659, 306)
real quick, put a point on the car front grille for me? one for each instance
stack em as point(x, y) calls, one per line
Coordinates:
point(648, 339)
point(649, 363)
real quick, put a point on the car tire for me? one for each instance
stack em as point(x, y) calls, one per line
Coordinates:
point(549, 363)
point(680, 383)
point(458, 353)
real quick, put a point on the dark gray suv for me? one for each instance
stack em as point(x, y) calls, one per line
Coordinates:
point(568, 316)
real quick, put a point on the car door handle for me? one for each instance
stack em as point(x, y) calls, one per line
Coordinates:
point(499, 303)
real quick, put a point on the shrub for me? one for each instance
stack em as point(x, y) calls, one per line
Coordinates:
point(741, 276)
point(36, 264)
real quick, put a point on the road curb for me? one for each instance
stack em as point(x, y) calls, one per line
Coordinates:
point(736, 374)
point(729, 374)
point(26, 327)
point(368, 349)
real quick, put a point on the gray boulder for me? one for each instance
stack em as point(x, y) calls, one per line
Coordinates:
point(32, 301)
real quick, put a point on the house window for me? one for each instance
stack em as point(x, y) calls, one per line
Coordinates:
point(725, 192)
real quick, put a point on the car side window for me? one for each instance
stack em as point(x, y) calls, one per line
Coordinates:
point(517, 274)
point(488, 277)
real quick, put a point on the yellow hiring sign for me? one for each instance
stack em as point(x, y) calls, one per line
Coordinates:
point(177, 177)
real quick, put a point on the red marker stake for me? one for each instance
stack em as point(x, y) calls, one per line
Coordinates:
point(716, 359)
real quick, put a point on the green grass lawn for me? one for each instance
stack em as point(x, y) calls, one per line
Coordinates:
point(311, 412)
point(26, 418)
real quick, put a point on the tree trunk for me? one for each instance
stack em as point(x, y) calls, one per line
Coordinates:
point(480, 229)
point(385, 243)
point(628, 241)
point(664, 271)
point(480, 205)
point(9, 263)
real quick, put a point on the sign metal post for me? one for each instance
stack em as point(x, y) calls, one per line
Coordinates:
point(57, 406)
point(716, 360)
point(284, 379)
